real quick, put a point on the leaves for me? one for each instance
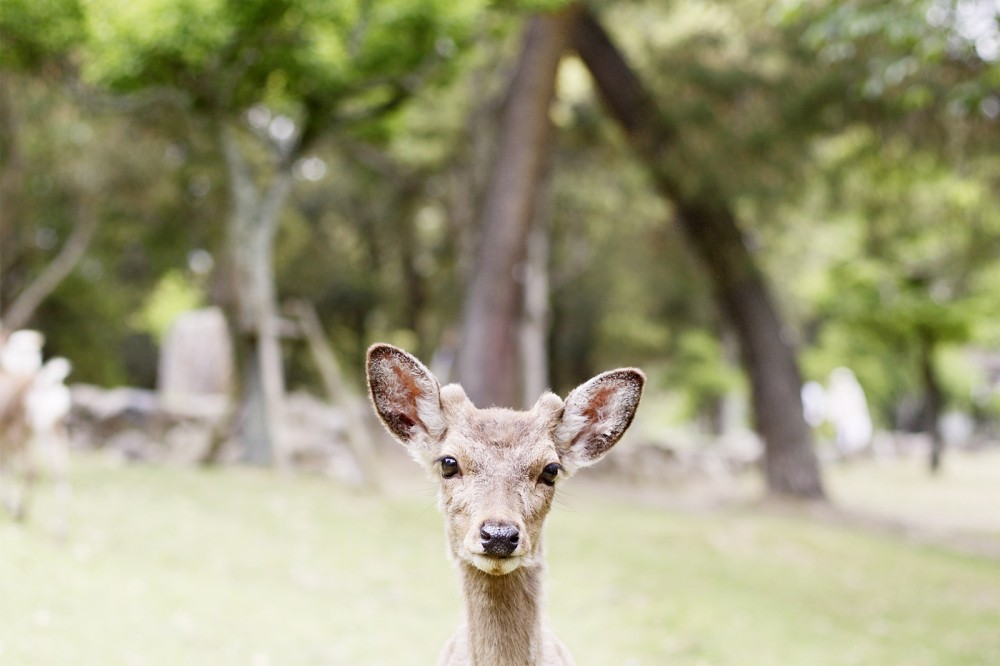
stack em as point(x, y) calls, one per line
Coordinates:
point(324, 57)
point(33, 33)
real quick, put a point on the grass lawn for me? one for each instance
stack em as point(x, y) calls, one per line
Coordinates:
point(188, 567)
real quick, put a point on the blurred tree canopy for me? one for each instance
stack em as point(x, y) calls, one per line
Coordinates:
point(855, 145)
point(296, 71)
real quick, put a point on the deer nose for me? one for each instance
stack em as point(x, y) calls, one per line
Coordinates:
point(499, 539)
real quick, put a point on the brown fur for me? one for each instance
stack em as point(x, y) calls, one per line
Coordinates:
point(501, 455)
point(13, 416)
point(15, 436)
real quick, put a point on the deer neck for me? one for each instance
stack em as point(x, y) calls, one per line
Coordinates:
point(503, 615)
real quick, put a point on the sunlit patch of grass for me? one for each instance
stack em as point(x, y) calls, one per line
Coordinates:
point(738, 588)
point(963, 497)
point(242, 567)
point(174, 566)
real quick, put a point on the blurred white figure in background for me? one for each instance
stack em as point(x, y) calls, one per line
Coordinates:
point(847, 410)
point(814, 403)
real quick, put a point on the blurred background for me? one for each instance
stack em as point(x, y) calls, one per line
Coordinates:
point(786, 213)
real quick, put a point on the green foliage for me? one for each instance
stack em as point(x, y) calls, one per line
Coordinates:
point(334, 60)
point(741, 98)
point(533, 6)
point(174, 294)
point(699, 370)
point(854, 140)
point(621, 279)
point(927, 232)
point(134, 44)
point(963, 378)
point(153, 206)
point(906, 262)
point(82, 324)
point(926, 69)
point(35, 32)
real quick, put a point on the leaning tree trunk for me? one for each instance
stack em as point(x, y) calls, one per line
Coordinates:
point(488, 356)
point(21, 311)
point(741, 292)
point(85, 212)
point(790, 463)
point(252, 224)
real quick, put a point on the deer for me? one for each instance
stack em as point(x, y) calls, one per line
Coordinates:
point(34, 404)
point(498, 470)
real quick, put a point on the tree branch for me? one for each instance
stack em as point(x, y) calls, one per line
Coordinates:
point(24, 306)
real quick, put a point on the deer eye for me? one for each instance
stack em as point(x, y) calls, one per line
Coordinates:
point(449, 467)
point(550, 473)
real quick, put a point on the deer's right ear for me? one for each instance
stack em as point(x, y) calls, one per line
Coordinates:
point(406, 395)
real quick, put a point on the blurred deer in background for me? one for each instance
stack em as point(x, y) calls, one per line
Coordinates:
point(498, 471)
point(34, 404)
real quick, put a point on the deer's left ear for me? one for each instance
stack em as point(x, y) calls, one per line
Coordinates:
point(595, 416)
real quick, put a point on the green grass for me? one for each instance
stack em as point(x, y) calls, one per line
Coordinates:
point(187, 567)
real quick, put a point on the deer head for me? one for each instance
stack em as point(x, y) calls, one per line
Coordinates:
point(498, 468)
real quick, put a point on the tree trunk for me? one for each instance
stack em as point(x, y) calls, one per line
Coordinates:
point(535, 318)
point(251, 228)
point(741, 293)
point(933, 402)
point(790, 464)
point(359, 437)
point(488, 358)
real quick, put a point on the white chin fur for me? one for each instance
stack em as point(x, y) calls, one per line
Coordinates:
point(495, 566)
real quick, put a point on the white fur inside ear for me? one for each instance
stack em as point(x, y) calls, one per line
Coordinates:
point(429, 411)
